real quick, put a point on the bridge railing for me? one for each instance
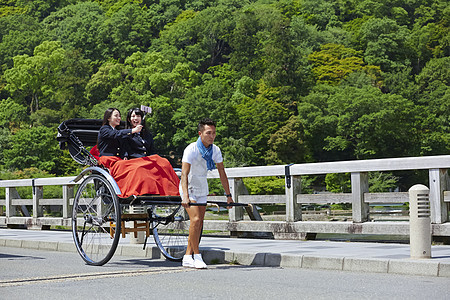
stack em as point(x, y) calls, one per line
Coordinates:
point(360, 198)
point(13, 203)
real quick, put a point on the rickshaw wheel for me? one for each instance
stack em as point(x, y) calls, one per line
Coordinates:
point(172, 238)
point(96, 220)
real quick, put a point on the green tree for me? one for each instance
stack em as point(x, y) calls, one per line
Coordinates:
point(267, 46)
point(334, 62)
point(319, 12)
point(425, 41)
point(68, 97)
point(373, 8)
point(161, 123)
point(260, 41)
point(101, 84)
point(5, 137)
point(31, 79)
point(287, 145)
point(338, 183)
point(150, 75)
point(379, 182)
point(201, 37)
point(151, 79)
point(8, 8)
point(434, 100)
point(259, 118)
point(385, 44)
point(19, 34)
point(343, 123)
point(265, 185)
point(210, 99)
point(435, 73)
point(52, 78)
point(113, 6)
point(235, 152)
point(77, 26)
point(400, 82)
point(33, 147)
point(42, 8)
point(12, 115)
point(126, 31)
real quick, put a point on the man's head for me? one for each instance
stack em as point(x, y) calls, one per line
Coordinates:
point(205, 121)
point(207, 131)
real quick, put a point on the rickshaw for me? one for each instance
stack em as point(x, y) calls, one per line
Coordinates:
point(99, 213)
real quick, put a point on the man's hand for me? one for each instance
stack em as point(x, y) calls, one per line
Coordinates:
point(185, 202)
point(229, 200)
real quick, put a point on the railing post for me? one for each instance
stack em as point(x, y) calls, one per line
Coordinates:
point(237, 188)
point(10, 193)
point(38, 193)
point(360, 185)
point(68, 192)
point(293, 209)
point(438, 184)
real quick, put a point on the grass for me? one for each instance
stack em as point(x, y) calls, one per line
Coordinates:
point(214, 261)
point(234, 262)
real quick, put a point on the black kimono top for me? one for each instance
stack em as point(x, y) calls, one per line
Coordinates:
point(112, 142)
point(140, 145)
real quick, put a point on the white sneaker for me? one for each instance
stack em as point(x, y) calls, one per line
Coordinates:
point(188, 261)
point(198, 262)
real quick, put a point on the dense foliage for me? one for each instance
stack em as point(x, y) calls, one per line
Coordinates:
point(287, 81)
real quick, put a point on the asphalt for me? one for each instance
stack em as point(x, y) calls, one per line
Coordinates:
point(331, 255)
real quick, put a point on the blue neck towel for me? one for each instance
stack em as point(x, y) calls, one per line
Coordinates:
point(206, 154)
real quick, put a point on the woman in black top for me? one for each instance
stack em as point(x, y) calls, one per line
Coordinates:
point(139, 144)
point(111, 141)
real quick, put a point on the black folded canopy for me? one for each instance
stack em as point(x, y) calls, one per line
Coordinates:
point(86, 130)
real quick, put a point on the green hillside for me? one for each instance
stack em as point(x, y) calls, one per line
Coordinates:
point(287, 81)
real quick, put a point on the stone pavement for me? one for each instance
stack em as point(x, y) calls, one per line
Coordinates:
point(331, 255)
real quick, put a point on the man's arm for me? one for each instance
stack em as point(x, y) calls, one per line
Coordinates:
point(224, 181)
point(185, 169)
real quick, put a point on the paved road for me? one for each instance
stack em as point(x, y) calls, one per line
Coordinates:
point(37, 274)
point(355, 256)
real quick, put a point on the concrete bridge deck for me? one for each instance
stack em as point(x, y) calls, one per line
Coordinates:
point(332, 255)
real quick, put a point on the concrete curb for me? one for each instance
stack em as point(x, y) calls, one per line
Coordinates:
point(364, 264)
point(393, 266)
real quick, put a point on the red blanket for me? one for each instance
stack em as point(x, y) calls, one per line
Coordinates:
point(141, 176)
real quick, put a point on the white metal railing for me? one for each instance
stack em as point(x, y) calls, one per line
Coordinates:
point(360, 198)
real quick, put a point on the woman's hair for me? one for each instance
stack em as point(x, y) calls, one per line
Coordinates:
point(108, 114)
point(137, 111)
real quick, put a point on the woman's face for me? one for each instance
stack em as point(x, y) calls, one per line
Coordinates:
point(135, 119)
point(114, 120)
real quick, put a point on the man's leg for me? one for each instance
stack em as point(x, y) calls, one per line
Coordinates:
point(196, 216)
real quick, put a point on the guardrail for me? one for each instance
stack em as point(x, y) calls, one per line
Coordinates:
point(292, 226)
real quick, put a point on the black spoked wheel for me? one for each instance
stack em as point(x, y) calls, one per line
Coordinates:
point(96, 220)
point(171, 230)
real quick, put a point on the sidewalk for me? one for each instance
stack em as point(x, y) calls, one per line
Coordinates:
point(346, 256)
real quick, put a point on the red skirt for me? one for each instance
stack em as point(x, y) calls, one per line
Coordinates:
point(150, 175)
